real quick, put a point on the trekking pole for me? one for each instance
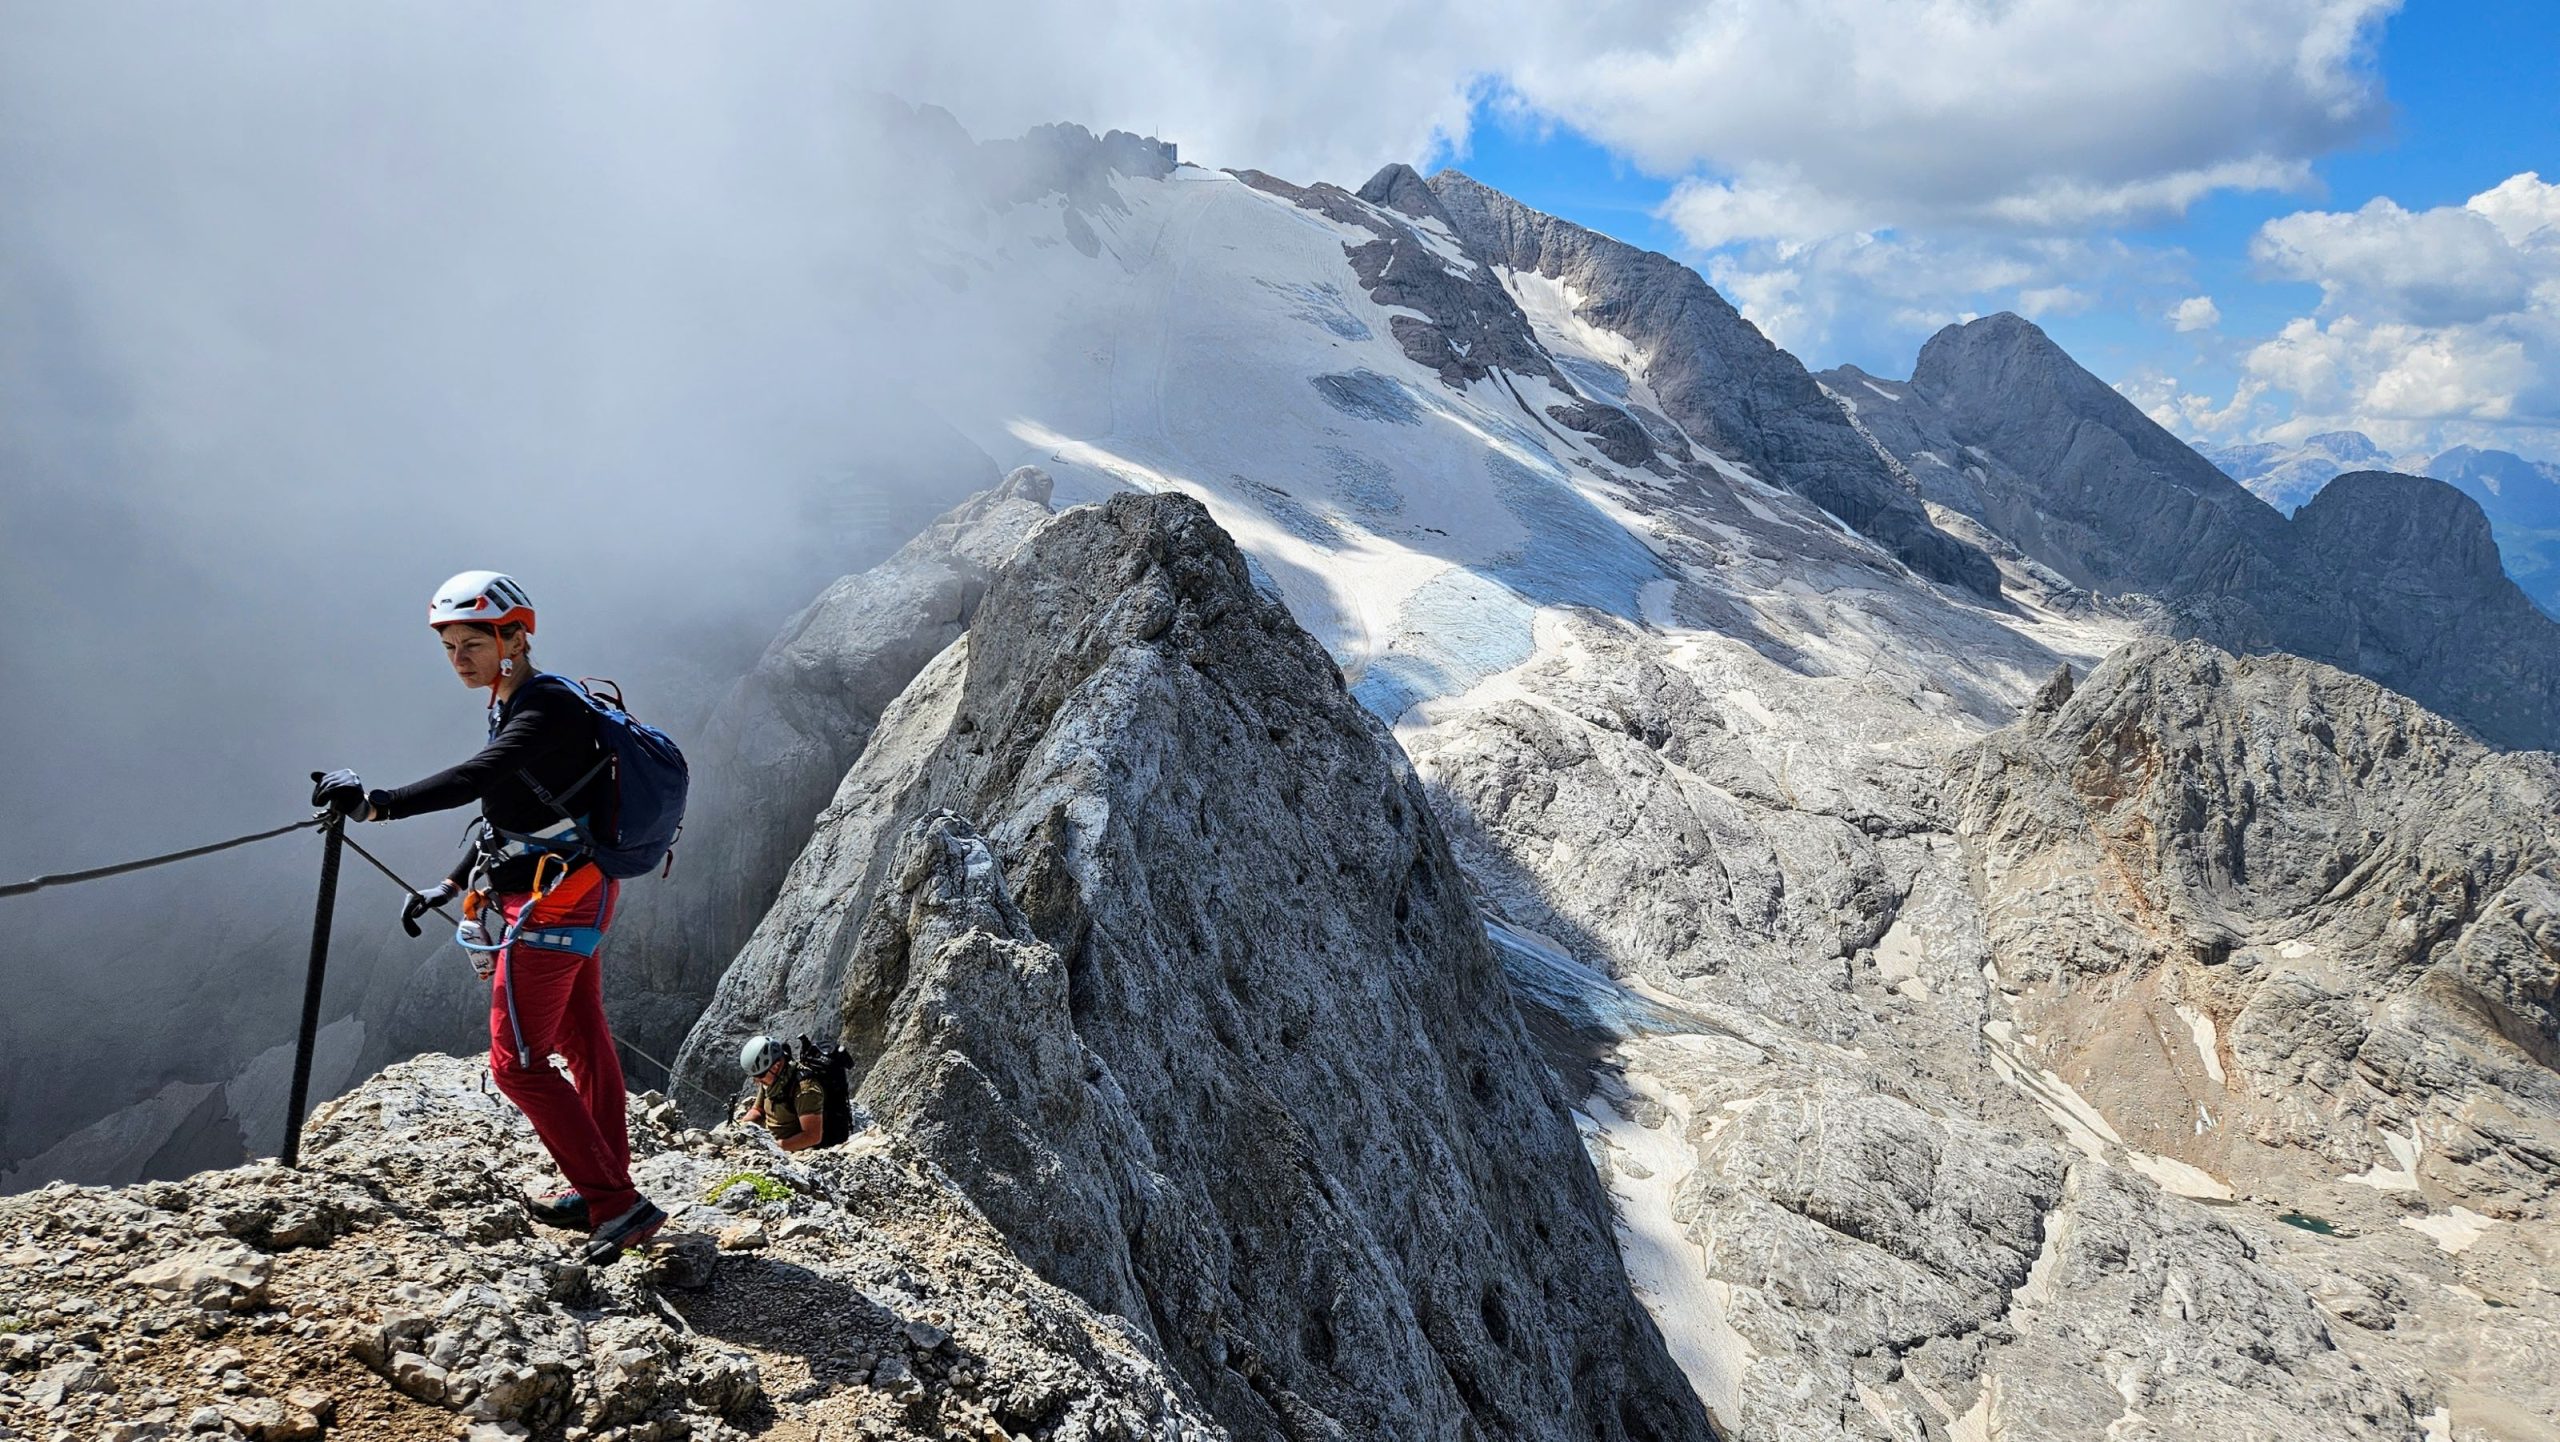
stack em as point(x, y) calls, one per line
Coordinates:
point(333, 834)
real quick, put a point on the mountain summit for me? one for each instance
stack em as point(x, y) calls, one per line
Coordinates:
point(2396, 578)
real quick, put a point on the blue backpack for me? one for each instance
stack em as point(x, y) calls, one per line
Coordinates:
point(649, 779)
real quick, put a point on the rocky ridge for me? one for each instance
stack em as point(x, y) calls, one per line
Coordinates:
point(1851, 1221)
point(1137, 1000)
point(780, 742)
point(1462, 324)
point(2260, 907)
point(1730, 391)
point(2176, 1058)
point(394, 1288)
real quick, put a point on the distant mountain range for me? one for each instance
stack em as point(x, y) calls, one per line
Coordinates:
point(2520, 497)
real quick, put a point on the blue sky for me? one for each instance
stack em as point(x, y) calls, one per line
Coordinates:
point(2462, 97)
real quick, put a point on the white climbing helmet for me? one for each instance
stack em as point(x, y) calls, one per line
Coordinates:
point(487, 598)
point(759, 1052)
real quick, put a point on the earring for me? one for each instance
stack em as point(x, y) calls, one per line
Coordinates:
point(506, 665)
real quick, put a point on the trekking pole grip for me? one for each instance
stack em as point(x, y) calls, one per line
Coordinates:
point(332, 843)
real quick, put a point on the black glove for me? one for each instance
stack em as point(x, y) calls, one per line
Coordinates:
point(343, 790)
point(420, 903)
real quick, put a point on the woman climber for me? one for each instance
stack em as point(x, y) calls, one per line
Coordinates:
point(547, 787)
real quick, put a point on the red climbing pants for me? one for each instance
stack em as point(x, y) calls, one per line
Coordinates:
point(547, 1002)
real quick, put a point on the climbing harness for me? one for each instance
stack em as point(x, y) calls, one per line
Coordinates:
point(472, 934)
point(664, 1068)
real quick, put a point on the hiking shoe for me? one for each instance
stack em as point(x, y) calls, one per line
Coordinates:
point(565, 1210)
point(605, 1244)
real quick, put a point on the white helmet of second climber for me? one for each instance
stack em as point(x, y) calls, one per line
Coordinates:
point(759, 1053)
point(487, 598)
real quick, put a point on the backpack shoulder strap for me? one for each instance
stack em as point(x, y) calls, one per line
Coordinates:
point(604, 757)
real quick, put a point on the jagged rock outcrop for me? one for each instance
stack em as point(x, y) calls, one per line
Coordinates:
point(2261, 909)
point(394, 1288)
point(777, 747)
point(1850, 1189)
point(1727, 387)
point(1200, 1010)
point(2393, 577)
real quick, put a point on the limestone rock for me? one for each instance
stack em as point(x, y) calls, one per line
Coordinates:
point(775, 749)
point(232, 1278)
point(2260, 905)
point(406, 1323)
point(1137, 1010)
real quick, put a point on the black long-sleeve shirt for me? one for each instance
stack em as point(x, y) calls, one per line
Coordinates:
point(546, 731)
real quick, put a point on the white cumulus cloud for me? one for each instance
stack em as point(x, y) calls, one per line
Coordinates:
point(1815, 136)
point(2434, 325)
point(2046, 113)
point(2446, 266)
point(2196, 312)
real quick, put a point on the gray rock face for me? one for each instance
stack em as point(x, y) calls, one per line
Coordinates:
point(2124, 505)
point(1718, 377)
point(392, 1288)
point(2395, 578)
point(1201, 1012)
point(2423, 605)
point(776, 748)
point(2260, 906)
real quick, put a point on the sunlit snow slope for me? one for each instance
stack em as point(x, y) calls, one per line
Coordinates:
point(1219, 341)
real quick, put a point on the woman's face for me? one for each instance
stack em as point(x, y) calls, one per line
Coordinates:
point(473, 654)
